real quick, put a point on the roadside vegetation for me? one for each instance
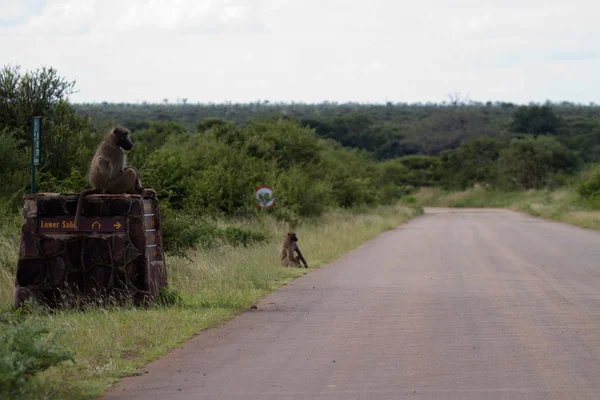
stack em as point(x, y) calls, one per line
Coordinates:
point(206, 287)
point(562, 205)
point(341, 173)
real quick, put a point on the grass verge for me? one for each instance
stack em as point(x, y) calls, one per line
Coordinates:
point(215, 285)
point(563, 205)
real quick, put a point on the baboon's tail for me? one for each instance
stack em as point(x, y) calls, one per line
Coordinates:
point(80, 205)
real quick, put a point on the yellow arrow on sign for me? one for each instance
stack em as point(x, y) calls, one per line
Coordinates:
point(96, 225)
point(117, 225)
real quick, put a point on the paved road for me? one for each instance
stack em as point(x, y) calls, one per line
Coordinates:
point(455, 304)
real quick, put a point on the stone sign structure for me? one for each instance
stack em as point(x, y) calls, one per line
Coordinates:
point(115, 255)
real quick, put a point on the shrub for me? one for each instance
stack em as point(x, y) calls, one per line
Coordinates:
point(240, 236)
point(168, 297)
point(182, 231)
point(408, 199)
point(590, 189)
point(528, 163)
point(474, 161)
point(301, 193)
point(26, 348)
point(13, 167)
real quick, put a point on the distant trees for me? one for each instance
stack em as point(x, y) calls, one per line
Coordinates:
point(393, 129)
point(522, 163)
point(535, 120)
point(447, 129)
point(151, 137)
point(474, 161)
point(528, 163)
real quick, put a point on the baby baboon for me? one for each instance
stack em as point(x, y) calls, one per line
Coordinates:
point(289, 245)
point(108, 171)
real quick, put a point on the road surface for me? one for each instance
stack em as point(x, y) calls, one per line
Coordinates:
point(455, 304)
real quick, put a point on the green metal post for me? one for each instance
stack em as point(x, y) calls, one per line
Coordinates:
point(36, 147)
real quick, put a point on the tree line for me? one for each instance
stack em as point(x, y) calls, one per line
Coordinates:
point(389, 130)
point(208, 159)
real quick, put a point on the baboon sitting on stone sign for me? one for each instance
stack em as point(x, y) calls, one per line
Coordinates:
point(109, 172)
point(289, 245)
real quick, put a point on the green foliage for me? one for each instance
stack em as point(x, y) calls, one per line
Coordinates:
point(408, 199)
point(67, 141)
point(301, 194)
point(449, 127)
point(168, 297)
point(401, 176)
point(34, 93)
point(151, 138)
point(240, 236)
point(421, 170)
point(535, 120)
point(353, 177)
point(74, 182)
point(528, 163)
point(211, 123)
point(590, 188)
point(582, 133)
point(182, 231)
point(472, 162)
point(388, 130)
point(26, 348)
point(283, 142)
point(217, 172)
point(13, 167)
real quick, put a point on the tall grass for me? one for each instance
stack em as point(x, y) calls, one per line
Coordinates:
point(9, 251)
point(563, 205)
point(214, 284)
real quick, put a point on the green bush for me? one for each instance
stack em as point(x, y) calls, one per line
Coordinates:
point(182, 231)
point(26, 348)
point(408, 199)
point(353, 176)
point(529, 162)
point(301, 193)
point(13, 167)
point(590, 189)
point(240, 236)
point(168, 297)
point(216, 172)
point(473, 162)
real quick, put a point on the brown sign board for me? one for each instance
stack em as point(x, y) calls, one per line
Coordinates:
point(67, 224)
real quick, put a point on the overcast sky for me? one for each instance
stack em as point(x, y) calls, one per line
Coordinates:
point(310, 50)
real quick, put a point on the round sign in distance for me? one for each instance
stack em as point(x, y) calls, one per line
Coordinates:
point(263, 197)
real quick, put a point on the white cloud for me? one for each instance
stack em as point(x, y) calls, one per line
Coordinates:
point(12, 9)
point(367, 50)
point(17, 11)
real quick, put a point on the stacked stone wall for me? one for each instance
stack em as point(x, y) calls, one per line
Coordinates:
point(116, 255)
